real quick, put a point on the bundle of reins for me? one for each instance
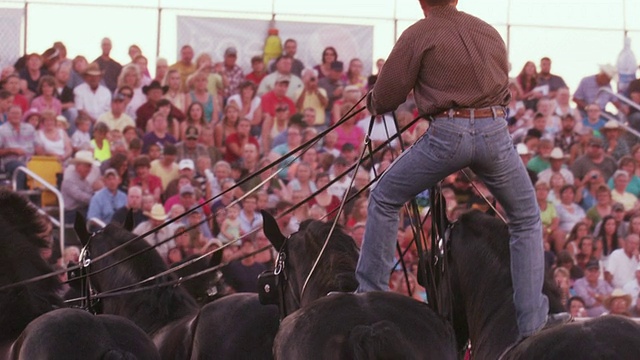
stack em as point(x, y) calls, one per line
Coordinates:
point(431, 266)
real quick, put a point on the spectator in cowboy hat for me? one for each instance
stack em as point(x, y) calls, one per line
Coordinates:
point(557, 161)
point(76, 188)
point(614, 144)
point(92, 98)
point(588, 90)
point(154, 93)
point(160, 237)
point(618, 303)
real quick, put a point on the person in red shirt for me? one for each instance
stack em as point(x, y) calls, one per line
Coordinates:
point(258, 72)
point(235, 142)
point(277, 96)
point(150, 184)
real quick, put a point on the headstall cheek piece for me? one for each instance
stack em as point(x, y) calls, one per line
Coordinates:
point(88, 292)
point(269, 282)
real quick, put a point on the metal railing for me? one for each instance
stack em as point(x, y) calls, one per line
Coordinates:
point(626, 101)
point(56, 222)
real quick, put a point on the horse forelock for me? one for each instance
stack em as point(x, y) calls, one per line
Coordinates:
point(150, 309)
point(21, 215)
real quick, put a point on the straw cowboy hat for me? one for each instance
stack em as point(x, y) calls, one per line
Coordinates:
point(157, 213)
point(618, 294)
point(83, 157)
point(611, 125)
point(92, 69)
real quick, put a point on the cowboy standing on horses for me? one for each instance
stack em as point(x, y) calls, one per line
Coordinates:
point(457, 66)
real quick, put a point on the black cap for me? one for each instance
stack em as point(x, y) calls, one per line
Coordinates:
point(191, 132)
point(592, 264)
point(337, 66)
point(170, 149)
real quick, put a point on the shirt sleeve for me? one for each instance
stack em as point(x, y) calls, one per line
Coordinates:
point(398, 76)
point(78, 99)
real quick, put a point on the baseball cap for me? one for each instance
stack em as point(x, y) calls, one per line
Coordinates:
point(283, 78)
point(118, 97)
point(596, 141)
point(337, 66)
point(191, 132)
point(231, 51)
point(110, 171)
point(186, 164)
point(187, 189)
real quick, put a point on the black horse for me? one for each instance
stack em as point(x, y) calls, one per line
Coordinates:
point(33, 324)
point(376, 325)
point(233, 327)
point(483, 309)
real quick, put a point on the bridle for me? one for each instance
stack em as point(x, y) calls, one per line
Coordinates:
point(273, 285)
point(87, 291)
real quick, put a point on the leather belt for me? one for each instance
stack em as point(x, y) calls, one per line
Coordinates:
point(467, 113)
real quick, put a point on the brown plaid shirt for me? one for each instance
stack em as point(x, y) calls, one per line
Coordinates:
point(450, 59)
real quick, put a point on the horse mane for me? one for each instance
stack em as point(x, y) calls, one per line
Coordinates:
point(481, 264)
point(20, 260)
point(149, 309)
point(336, 269)
point(497, 251)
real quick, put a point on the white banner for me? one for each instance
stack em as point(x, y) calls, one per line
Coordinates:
point(10, 28)
point(214, 35)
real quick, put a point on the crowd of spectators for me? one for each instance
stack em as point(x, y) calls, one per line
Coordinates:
point(159, 143)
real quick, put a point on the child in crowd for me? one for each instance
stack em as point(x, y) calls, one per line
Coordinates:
point(154, 152)
point(129, 134)
point(81, 138)
point(230, 229)
point(100, 144)
point(196, 237)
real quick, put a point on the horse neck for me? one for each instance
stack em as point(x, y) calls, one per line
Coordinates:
point(482, 285)
point(491, 329)
point(150, 309)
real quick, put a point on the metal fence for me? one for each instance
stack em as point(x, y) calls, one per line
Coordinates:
point(577, 34)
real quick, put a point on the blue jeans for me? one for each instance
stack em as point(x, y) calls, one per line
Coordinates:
point(449, 145)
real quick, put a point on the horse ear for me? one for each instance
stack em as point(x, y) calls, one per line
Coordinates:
point(272, 231)
point(216, 258)
point(80, 226)
point(128, 221)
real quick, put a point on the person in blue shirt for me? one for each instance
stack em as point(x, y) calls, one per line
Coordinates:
point(107, 200)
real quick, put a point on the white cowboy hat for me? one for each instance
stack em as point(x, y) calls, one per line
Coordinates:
point(610, 125)
point(157, 213)
point(557, 154)
point(522, 149)
point(83, 157)
point(618, 294)
point(608, 70)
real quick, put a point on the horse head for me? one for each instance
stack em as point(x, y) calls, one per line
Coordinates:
point(20, 260)
point(122, 260)
point(314, 261)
